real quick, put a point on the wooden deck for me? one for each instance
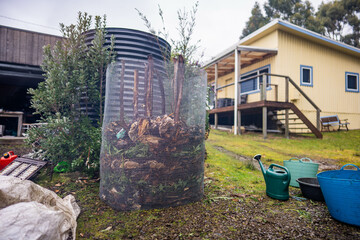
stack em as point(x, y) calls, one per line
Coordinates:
point(270, 106)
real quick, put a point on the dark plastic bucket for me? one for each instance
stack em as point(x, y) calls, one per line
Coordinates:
point(310, 188)
point(341, 189)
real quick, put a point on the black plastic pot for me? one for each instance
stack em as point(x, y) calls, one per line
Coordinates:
point(310, 188)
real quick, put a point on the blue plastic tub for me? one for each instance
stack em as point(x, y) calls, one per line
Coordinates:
point(341, 190)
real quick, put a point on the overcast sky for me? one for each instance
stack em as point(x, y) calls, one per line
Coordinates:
point(219, 22)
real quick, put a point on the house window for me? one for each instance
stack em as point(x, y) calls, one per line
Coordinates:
point(252, 83)
point(351, 82)
point(306, 75)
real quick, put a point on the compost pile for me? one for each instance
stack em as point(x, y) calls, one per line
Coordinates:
point(152, 161)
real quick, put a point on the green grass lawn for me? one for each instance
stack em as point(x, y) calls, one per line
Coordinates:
point(343, 147)
point(234, 203)
point(231, 175)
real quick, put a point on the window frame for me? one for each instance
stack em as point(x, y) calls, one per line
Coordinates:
point(257, 70)
point(347, 89)
point(302, 83)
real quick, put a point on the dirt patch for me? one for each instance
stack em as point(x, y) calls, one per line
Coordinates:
point(241, 158)
point(219, 215)
point(275, 150)
point(325, 164)
point(19, 150)
point(227, 219)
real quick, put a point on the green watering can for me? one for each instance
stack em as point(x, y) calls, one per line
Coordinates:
point(277, 181)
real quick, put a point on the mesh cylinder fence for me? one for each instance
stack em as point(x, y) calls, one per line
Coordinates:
point(152, 152)
point(134, 46)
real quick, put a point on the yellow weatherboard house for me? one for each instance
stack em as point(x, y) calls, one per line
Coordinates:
point(311, 82)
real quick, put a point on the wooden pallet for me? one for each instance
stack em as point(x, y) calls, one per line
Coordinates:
point(23, 168)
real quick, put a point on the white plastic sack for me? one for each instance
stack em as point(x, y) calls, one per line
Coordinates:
point(29, 211)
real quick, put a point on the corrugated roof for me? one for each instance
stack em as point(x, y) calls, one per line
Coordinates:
point(284, 25)
point(226, 60)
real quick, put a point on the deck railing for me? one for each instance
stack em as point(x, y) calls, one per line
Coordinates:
point(287, 81)
point(263, 94)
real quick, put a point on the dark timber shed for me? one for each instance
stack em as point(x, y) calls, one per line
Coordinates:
point(21, 54)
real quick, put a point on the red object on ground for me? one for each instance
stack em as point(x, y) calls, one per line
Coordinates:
point(6, 159)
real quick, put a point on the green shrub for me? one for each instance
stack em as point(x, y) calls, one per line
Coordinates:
point(77, 143)
point(72, 90)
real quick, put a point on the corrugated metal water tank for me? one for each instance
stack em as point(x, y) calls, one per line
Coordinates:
point(134, 47)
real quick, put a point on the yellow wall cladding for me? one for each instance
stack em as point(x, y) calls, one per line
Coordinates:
point(227, 92)
point(268, 41)
point(329, 67)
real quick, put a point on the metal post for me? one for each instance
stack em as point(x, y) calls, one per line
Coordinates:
point(216, 105)
point(264, 114)
point(19, 125)
point(236, 93)
point(239, 91)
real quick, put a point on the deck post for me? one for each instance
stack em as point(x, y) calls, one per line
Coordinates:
point(287, 123)
point(263, 89)
point(287, 110)
point(264, 122)
point(264, 109)
point(216, 85)
point(236, 89)
point(286, 89)
point(318, 119)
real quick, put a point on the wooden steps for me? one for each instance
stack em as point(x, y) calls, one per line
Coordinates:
point(298, 120)
point(306, 121)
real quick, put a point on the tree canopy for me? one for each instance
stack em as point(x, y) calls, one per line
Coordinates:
point(337, 19)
